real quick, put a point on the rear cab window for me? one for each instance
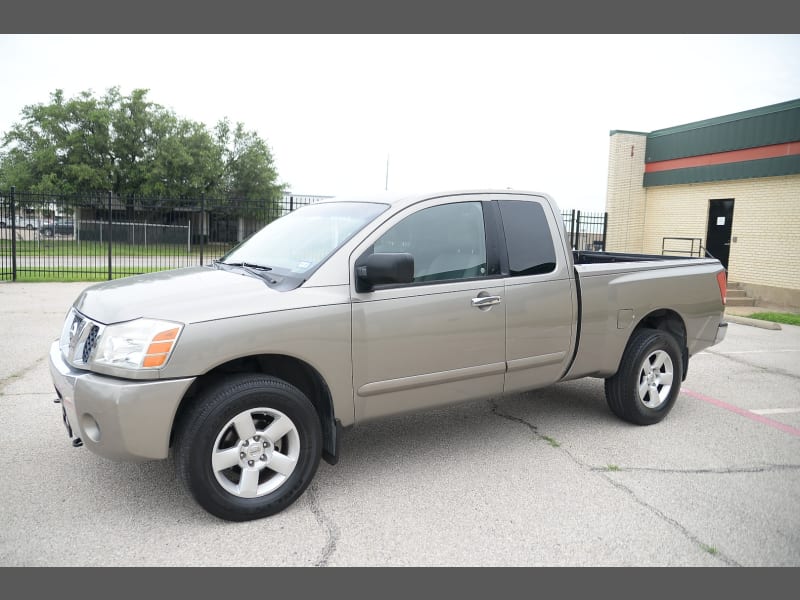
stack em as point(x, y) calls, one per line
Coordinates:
point(528, 238)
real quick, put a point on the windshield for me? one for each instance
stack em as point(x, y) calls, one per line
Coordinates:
point(298, 242)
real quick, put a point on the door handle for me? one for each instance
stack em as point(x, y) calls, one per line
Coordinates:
point(484, 301)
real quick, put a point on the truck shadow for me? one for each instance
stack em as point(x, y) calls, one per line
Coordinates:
point(374, 450)
point(450, 434)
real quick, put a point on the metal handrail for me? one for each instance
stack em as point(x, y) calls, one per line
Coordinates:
point(692, 252)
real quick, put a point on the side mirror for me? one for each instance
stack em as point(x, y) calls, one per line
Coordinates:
point(382, 268)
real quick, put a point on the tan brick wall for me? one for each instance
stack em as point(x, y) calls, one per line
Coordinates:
point(676, 211)
point(766, 225)
point(625, 196)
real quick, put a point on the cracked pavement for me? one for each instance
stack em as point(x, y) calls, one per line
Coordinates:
point(545, 478)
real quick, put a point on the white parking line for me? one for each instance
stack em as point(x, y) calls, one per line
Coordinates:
point(758, 351)
point(774, 411)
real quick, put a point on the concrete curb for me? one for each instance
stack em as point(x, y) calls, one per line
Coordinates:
point(752, 322)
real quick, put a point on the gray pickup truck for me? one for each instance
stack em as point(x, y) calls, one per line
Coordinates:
point(349, 310)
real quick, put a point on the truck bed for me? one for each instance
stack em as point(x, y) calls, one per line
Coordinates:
point(583, 257)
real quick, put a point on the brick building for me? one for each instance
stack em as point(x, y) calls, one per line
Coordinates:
point(728, 185)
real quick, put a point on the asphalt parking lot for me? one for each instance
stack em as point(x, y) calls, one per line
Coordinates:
point(546, 478)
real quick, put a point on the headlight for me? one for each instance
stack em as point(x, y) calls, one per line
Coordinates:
point(139, 344)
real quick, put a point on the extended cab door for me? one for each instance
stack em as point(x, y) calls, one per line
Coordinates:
point(441, 338)
point(539, 294)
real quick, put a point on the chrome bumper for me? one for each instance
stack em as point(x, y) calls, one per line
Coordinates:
point(118, 418)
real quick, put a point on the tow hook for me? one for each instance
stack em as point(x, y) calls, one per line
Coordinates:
point(77, 442)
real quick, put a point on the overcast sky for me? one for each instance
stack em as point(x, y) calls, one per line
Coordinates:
point(449, 111)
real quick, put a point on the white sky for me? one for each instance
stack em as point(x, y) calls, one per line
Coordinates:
point(450, 111)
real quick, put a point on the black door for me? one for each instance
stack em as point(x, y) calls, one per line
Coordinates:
point(720, 225)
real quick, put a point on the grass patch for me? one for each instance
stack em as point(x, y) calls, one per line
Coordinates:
point(35, 275)
point(612, 468)
point(776, 317)
point(551, 441)
point(710, 549)
point(69, 247)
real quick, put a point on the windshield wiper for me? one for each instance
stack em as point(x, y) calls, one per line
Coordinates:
point(244, 264)
point(252, 269)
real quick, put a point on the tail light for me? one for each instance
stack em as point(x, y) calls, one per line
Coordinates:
point(723, 286)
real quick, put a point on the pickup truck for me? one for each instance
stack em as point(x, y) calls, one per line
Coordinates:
point(250, 369)
point(59, 226)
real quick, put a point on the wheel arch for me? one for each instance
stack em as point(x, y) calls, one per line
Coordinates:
point(288, 368)
point(671, 322)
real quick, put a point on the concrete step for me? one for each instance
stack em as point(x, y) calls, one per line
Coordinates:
point(735, 293)
point(734, 285)
point(740, 301)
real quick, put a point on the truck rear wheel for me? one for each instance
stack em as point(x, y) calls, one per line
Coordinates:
point(249, 448)
point(648, 381)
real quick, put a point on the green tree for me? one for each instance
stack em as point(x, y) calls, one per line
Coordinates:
point(132, 146)
point(249, 167)
point(186, 163)
point(61, 147)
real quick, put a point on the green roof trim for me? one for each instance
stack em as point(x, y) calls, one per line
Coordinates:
point(767, 167)
point(751, 129)
point(746, 114)
point(615, 131)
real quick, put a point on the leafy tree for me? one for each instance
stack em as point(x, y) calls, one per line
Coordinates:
point(249, 167)
point(186, 163)
point(132, 146)
point(61, 147)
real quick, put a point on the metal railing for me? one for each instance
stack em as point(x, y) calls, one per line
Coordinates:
point(683, 246)
point(586, 230)
point(91, 236)
point(102, 236)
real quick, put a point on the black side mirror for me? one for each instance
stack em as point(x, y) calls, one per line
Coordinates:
point(383, 268)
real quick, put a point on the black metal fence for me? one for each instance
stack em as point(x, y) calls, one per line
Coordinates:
point(87, 237)
point(101, 236)
point(586, 230)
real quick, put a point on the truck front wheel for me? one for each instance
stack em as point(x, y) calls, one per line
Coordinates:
point(648, 381)
point(249, 448)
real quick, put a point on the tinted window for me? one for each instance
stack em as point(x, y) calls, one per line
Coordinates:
point(447, 242)
point(530, 245)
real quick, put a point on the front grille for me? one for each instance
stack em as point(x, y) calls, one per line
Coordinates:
point(79, 339)
point(89, 344)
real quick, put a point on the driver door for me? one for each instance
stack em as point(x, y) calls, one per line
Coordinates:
point(441, 338)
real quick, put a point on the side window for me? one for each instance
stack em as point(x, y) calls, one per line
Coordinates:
point(530, 244)
point(447, 241)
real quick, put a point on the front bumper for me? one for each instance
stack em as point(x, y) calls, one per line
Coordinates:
point(118, 418)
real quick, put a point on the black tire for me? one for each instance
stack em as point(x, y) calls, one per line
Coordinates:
point(254, 487)
point(47, 232)
point(648, 381)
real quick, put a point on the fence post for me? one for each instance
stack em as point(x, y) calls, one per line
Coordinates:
point(13, 234)
point(605, 229)
point(201, 229)
point(572, 230)
point(110, 234)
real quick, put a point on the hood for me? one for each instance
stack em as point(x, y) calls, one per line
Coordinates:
point(192, 295)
